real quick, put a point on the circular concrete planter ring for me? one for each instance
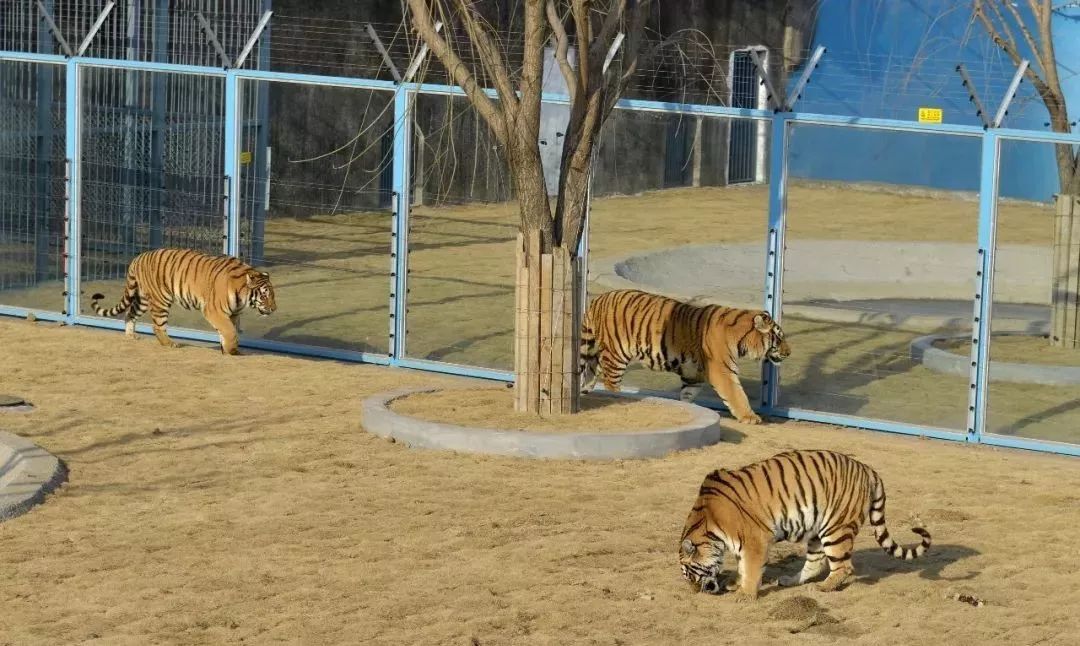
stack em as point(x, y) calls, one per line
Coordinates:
point(925, 352)
point(27, 473)
point(703, 430)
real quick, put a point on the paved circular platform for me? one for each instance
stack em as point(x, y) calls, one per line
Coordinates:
point(703, 430)
point(918, 286)
point(937, 359)
point(27, 474)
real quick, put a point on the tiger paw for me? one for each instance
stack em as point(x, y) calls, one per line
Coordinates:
point(741, 596)
point(752, 418)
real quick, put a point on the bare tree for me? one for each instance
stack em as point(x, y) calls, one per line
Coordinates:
point(1003, 20)
point(547, 326)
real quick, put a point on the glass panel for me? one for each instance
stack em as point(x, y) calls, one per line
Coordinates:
point(680, 208)
point(32, 185)
point(880, 252)
point(462, 229)
point(152, 175)
point(1034, 382)
point(316, 170)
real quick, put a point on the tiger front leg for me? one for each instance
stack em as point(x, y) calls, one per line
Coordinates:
point(230, 340)
point(726, 384)
point(612, 370)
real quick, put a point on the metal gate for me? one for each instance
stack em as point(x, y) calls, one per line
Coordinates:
point(743, 141)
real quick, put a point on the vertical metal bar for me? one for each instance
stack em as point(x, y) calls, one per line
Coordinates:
point(260, 168)
point(1006, 100)
point(44, 170)
point(253, 39)
point(399, 232)
point(94, 28)
point(157, 123)
point(984, 286)
point(804, 78)
point(73, 152)
point(233, 98)
point(774, 252)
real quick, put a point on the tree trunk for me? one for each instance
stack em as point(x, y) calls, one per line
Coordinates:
point(547, 329)
point(1065, 304)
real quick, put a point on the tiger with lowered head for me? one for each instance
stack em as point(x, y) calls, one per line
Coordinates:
point(218, 286)
point(698, 343)
point(819, 498)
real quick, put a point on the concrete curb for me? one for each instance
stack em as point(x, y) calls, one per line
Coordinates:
point(378, 419)
point(938, 360)
point(14, 404)
point(27, 474)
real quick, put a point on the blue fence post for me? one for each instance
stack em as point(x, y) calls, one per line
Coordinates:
point(399, 230)
point(72, 151)
point(984, 286)
point(774, 252)
point(232, 163)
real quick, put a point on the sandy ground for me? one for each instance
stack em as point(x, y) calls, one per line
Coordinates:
point(495, 409)
point(333, 280)
point(217, 500)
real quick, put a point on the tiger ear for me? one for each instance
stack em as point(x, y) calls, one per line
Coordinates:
point(762, 323)
point(250, 278)
point(687, 547)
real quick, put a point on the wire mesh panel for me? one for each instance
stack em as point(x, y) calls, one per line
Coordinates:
point(32, 169)
point(316, 169)
point(1034, 373)
point(461, 232)
point(152, 173)
point(880, 254)
point(664, 220)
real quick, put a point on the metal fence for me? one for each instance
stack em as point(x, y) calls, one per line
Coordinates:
point(394, 245)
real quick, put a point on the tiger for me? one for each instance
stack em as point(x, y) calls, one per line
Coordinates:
point(697, 343)
point(819, 498)
point(218, 286)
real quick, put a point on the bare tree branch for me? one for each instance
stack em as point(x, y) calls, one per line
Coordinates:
point(462, 75)
point(490, 55)
point(562, 48)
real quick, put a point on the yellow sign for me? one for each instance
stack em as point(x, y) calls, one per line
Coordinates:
point(245, 157)
point(929, 115)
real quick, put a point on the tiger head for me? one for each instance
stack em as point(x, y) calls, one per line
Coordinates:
point(701, 564)
point(701, 553)
point(766, 341)
point(261, 294)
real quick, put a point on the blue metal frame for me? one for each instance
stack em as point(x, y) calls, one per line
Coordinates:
point(399, 233)
point(984, 285)
point(73, 153)
point(774, 252)
point(232, 163)
point(975, 430)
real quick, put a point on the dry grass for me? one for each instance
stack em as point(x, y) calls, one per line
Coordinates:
point(494, 408)
point(333, 279)
point(218, 500)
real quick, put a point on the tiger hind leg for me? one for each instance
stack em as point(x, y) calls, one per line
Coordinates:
point(690, 388)
point(612, 370)
point(837, 548)
point(138, 308)
point(812, 567)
